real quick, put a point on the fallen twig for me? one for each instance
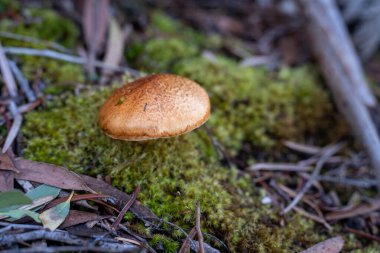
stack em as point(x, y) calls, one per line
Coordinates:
point(140, 211)
point(278, 167)
point(57, 235)
point(357, 210)
point(10, 226)
point(327, 152)
point(363, 183)
point(24, 84)
point(185, 248)
point(293, 194)
point(68, 58)
point(7, 73)
point(198, 228)
point(303, 148)
point(12, 89)
point(313, 217)
point(16, 125)
point(143, 242)
point(62, 236)
point(20, 37)
point(363, 234)
point(218, 148)
point(126, 208)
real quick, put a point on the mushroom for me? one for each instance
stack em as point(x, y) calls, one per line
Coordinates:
point(155, 106)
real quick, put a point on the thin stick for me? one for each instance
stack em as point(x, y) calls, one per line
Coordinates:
point(10, 226)
point(198, 228)
point(218, 148)
point(307, 149)
point(185, 248)
point(20, 37)
point(328, 152)
point(57, 235)
point(293, 194)
point(7, 73)
point(12, 88)
point(16, 125)
point(313, 217)
point(126, 208)
point(364, 183)
point(68, 58)
point(24, 84)
point(278, 167)
point(363, 234)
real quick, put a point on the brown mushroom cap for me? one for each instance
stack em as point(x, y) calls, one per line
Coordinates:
point(155, 106)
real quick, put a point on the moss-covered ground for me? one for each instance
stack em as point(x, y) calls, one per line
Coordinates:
point(251, 107)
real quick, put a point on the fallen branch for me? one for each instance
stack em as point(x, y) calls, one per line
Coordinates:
point(64, 237)
point(57, 235)
point(342, 70)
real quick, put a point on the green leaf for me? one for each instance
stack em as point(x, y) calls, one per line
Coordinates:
point(43, 191)
point(12, 200)
point(54, 216)
point(18, 214)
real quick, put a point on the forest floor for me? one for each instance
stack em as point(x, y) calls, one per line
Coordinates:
point(275, 169)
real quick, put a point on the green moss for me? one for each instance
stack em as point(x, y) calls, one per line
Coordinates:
point(168, 244)
point(160, 53)
point(173, 173)
point(164, 24)
point(45, 25)
point(259, 106)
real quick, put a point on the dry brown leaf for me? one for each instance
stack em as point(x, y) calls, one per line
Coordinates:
point(332, 245)
point(78, 217)
point(49, 174)
point(6, 163)
point(55, 216)
point(6, 180)
point(77, 198)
